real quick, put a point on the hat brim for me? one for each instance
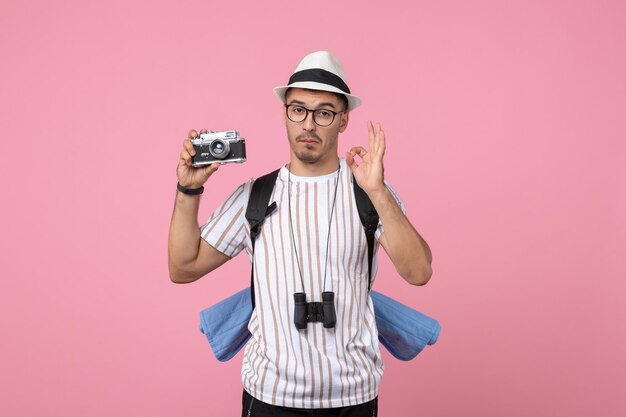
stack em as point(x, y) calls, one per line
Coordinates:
point(353, 101)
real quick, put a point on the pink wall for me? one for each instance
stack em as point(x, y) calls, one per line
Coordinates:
point(505, 125)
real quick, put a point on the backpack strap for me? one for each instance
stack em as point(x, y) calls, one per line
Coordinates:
point(369, 220)
point(258, 209)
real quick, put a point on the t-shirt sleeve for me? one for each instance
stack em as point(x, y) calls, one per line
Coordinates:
point(380, 229)
point(225, 229)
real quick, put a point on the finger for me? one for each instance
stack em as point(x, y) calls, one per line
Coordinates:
point(214, 166)
point(192, 134)
point(203, 131)
point(370, 133)
point(188, 146)
point(358, 150)
point(382, 142)
point(209, 170)
point(351, 162)
point(376, 141)
point(373, 138)
point(186, 157)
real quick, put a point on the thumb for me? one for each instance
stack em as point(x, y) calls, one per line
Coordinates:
point(209, 170)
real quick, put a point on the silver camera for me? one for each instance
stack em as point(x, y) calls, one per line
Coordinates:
point(222, 147)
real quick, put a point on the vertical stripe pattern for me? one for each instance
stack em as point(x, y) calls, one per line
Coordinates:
point(315, 367)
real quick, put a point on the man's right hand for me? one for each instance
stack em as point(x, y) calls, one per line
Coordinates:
point(188, 175)
point(189, 256)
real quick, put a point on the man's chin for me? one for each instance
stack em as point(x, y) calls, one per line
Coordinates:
point(308, 157)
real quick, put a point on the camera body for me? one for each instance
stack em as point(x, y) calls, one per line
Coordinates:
point(222, 147)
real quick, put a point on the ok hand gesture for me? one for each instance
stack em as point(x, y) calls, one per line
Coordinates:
point(369, 173)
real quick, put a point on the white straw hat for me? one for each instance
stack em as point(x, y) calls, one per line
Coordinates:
point(319, 71)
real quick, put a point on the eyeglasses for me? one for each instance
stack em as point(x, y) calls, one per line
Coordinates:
point(321, 117)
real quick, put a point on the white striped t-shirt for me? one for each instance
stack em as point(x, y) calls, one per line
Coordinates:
point(316, 367)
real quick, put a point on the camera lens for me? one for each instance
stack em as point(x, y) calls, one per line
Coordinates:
point(219, 149)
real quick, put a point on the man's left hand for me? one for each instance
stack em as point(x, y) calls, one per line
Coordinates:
point(369, 173)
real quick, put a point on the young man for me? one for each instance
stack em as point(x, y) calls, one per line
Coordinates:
point(313, 243)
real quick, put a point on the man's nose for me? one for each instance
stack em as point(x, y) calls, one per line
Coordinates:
point(308, 124)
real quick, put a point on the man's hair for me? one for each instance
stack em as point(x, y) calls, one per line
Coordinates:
point(343, 99)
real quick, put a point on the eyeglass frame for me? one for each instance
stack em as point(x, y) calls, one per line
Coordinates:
point(335, 113)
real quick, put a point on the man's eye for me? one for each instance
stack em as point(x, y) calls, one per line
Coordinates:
point(324, 113)
point(297, 110)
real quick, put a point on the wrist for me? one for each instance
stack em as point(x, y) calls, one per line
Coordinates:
point(189, 191)
point(379, 194)
point(376, 190)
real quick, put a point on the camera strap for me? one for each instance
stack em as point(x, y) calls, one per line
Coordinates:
point(259, 208)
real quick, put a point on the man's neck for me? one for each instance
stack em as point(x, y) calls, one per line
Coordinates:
point(315, 169)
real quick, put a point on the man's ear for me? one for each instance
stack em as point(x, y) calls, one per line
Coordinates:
point(343, 124)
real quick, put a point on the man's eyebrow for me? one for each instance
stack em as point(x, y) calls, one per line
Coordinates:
point(300, 103)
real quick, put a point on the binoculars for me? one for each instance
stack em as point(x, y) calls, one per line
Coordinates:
point(314, 312)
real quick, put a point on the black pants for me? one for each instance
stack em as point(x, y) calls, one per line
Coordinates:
point(255, 408)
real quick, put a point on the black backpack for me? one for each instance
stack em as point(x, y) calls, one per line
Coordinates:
point(259, 208)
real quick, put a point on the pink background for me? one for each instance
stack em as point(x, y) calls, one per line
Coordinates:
point(505, 125)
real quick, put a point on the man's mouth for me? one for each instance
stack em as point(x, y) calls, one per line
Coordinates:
point(308, 140)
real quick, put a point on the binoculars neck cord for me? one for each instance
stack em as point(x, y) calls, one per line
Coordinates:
point(330, 221)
